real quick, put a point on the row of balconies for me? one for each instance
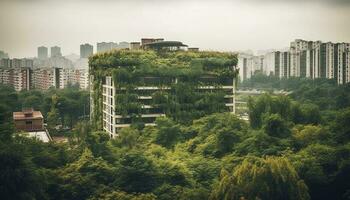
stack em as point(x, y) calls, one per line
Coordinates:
point(146, 92)
point(168, 88)
point(154, 80)
point(151, 113)
point(146, 99)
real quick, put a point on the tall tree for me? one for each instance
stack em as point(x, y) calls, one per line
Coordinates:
point(168, 132)
point(18, 177)
point(6, 126)
point(53, 116)
point(271, 178)
point(275, 126)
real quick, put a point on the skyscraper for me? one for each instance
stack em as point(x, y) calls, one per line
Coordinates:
point(284, 64)
point(19, 78)
point(343, 64)
point(56, 51)
point(86, 50)
point(296, 49)
point(106, 46)
point(123, 45)
point(5, 62)
point(3, 55)
point(111, 118)
point(273, 63)
point(43, 53)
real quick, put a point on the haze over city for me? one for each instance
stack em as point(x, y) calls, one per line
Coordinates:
point(213, 25)
point(175, 99)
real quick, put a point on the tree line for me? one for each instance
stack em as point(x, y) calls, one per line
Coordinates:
point(63, 107)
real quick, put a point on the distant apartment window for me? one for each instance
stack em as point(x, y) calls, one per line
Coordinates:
point(29, 122)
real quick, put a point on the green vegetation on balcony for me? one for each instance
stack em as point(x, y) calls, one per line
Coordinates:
point(177, 74)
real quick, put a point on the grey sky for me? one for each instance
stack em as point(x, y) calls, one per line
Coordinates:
point(227, 25)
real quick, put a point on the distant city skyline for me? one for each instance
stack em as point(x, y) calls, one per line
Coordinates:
point(224, 25)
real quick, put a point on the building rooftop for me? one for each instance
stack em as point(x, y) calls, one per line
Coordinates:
point(27, 114)
point(40, 135)
point(162, 44)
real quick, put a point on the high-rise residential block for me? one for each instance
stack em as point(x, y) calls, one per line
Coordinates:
point(115, 105)
point(123, 45)
point(25, 62)
point(343, 65)
point(347, 67)
point(277, 63)
point(72, 77)
point(20, 74)
point(44, 78)
point(3, 55)
point(306, 59)
point(20, 78)
point(308, 62)
point(16, 63)
point(5, 63)
point(43, 53)
point(284, 71)
point(330, 54)
point(298, 50)
point(245, 67)
point(273, 63)
point(258, 64)
point(316, 59)
point(106, 46)
point(86, 50)
point(83, 80)
point(250, 65)
point(56, 52)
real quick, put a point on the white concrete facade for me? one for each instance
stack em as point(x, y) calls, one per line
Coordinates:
point(113, 122)
point(309, 59)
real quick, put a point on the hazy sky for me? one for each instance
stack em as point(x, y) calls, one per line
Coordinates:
point(227, 25)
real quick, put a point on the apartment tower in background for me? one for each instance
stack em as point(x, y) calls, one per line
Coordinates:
point(86, 50)
point(56, 51)
point(43, 53)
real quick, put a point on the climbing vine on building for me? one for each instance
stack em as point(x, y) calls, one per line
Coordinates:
point(178, 77)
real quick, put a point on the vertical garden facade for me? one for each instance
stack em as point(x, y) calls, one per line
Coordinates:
point(133, 88)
